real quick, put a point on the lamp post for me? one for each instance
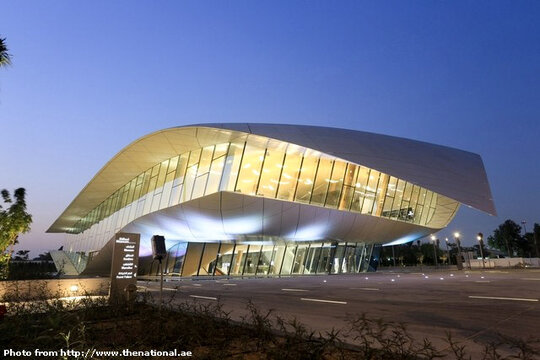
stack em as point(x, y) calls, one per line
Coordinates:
point(434, 239)
point(447, 251)
point(459, 258)
point(480, 238)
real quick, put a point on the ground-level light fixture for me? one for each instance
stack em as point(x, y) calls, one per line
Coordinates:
point(74, 288)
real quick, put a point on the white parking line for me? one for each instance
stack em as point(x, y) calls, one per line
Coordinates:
point(502, 298)
point(203, 297)
point(367, 289)
point(537, 279)
point(168, 288)
point(230, 284)
point(482, 281)
point(299, 290)
point(325, 301)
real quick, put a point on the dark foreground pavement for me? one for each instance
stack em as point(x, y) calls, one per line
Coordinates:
point(474, 306)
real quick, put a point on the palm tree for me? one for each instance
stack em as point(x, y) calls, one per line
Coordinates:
point(5, 57)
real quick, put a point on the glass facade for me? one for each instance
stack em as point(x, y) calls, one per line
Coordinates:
point(268, 168)
point(259, 259)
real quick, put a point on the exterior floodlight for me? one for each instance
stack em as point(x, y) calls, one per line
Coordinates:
point(73, 288)
point(433, 237)
point(456, 234)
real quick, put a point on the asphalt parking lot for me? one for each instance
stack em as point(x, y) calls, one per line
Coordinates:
point(474, 306)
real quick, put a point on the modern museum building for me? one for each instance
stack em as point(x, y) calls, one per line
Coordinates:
point(268, 199)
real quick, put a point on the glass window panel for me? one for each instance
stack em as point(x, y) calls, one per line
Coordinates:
point(427, 202)
point(338, 259)
point(208, 260)
point(224, 259)
point(271, 172)
point(146, 182)
point(214, 178)
point(194, 157)
point(232, 164)
point(288, 259)
point(391, 189)
point(381, 191)
point(181, 169)
point(200, 185)
point(299, 259)
point(307, 175)
point(418, 214)
point(265, 259)
point(324, 259)
point(369, 201)
point(363, 177)
point(239, 258)
point(192, 259)
point(169, 178)
point(131, 190)
point(206, 159)
point(406, 212)
point(312, 260)
point(414, 196)
point(358, 199)
point(250, 169)
point(396, 206)
point(153, 182)
point(252, 259)
point(220, 150)
point(189, 181)
point(407, 192)
point(322, 180)
point(387, 209)
point(290, 172)
point(173, 164)
point(422, 196)
point(277, 260)
point(180, 256)
point(350, 260)
point(351, 174)
point(336, 184)
point(373, 180)
point(346, 198)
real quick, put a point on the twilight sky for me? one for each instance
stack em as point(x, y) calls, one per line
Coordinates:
point(90, 77)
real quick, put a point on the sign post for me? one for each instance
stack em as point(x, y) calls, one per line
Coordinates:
point(124, 265)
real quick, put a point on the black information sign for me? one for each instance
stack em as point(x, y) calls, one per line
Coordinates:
point(125, 259)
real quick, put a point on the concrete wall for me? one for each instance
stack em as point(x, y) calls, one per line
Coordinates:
point(506, 262)
point(53, 288)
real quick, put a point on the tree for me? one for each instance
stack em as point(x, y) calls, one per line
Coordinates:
point(21, 255)
point(507, 237)
point(536, 239)
point(13, 222)
point(5, 57)
point(46, 256)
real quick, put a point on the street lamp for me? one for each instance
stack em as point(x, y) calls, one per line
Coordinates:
point(447, 251)
point(480, 238)
point(459, 260)
point(434, 239)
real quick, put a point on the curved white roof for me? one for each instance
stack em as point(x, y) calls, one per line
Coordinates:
point(454, 173)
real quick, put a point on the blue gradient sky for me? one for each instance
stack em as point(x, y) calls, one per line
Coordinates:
point(89, 78)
